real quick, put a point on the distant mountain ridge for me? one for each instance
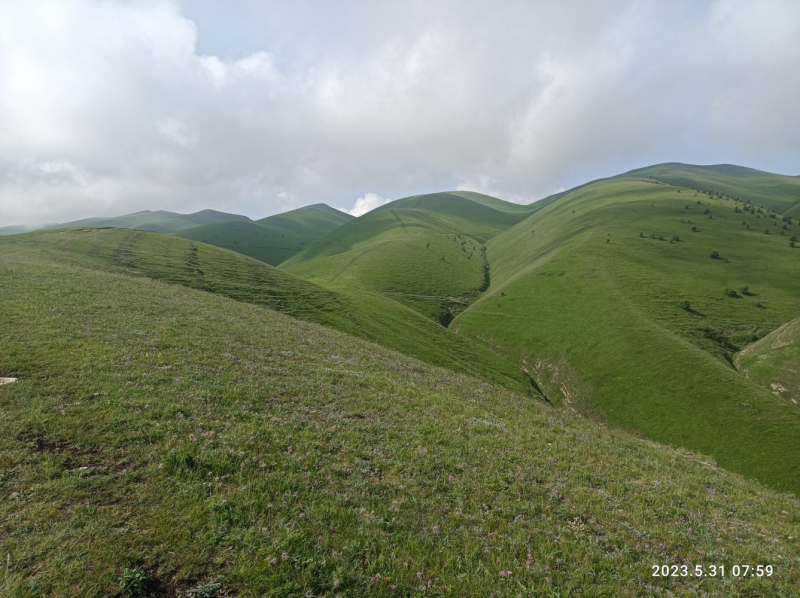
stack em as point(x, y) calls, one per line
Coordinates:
point(159, 221)
point(274, 239)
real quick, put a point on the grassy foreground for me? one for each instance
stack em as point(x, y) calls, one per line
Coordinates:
point(176, 437)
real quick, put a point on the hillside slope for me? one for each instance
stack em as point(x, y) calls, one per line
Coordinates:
point(774, 361)
point(211, 269)
point(425, 252)
point(274, 239)
point(180, 438)
point(588, 294)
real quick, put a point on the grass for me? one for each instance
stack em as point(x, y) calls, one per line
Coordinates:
point(774, 361)
point(425, 252)
point(204, 267)
point(275, 239)
point(587, 294)
point(162, 433)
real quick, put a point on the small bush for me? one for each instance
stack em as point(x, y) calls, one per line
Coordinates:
point(715, 255)
point(676, 238)
point(685, 305)
point(731, 293)
point(745, 290)
point(766, 231)
point(641, 235)
point(205, 590)
point(694, 229)
point(133, 582)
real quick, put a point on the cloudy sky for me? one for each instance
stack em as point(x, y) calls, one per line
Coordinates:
point(256, 107)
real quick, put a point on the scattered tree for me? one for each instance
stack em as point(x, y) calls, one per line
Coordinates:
point(641, 235)
point(745, 290)
point(685, 305)
point(694, 229)
point(715, 255)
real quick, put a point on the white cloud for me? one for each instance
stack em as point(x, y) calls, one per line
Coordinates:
point(365, 204)
point(109, 106)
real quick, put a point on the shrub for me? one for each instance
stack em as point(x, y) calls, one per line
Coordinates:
point(731, 293)
point(766, 231)
point(676, 238)
point(685, 305)
point(205, 590)
point(791, 243)
point(641, 235)
point(715, 255)
point(133, 582)
point(745, 290)
point(694, 229)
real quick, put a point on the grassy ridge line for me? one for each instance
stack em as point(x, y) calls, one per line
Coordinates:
point(774, 191)
point(190, 436)
point(218, 271)
point(425, 251)
point(274, 239)
point(599, 324)
point(449, 213)
point(159, 221)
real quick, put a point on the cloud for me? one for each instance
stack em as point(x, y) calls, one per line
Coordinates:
point(366, 204)
point(111, 107)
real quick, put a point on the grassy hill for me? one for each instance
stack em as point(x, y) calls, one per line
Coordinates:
point(764, 189)
point(211, 269)
point(273, 239)
point(159, 221)
point(426, 251)
point(610, 298)
point(774, 361)
point(173, 438)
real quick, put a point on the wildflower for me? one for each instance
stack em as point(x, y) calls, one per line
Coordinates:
point(394, 588)
point(224, 501)
point(419, 574)
point(274, 560)
point(502, 573)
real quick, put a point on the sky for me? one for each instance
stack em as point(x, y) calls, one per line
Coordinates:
point(257, 107)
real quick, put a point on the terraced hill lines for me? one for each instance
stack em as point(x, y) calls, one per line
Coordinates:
point(274, 239)
point(204, 267)
point(588, 293)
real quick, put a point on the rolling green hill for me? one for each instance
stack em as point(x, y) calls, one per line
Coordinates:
point(610, 298)
point(764, 189)
point(273, 239)
point(774, 361)
point(426, 251)
point(159, 221)
point(181, 442)
point(219, 271)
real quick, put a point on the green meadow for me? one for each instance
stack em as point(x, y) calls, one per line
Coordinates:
point(451, 395)
point(167, 439)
